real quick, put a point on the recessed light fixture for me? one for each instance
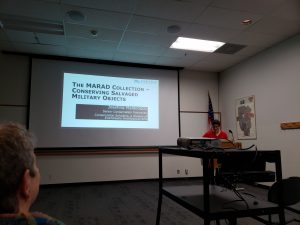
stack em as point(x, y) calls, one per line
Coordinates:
point(94, 33)
point(247, 21)
point(196, 44)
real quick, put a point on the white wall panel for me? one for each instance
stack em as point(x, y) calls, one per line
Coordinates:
point(273, 77)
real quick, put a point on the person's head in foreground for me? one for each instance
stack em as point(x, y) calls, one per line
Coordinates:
point(19, 177)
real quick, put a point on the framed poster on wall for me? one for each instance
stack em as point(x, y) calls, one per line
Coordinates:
point(245, 117)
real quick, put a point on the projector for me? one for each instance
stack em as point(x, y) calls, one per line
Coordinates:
point(191, 142)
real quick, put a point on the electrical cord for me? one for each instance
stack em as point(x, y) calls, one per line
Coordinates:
point(248, 147)
point(229, 202)
point(255, 156)
point(233, 188)
point(249, 194)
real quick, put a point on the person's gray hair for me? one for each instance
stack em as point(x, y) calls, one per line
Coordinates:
point(16, 155)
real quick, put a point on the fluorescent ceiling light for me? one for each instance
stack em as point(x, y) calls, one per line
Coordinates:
point(196, 44)
point(28, 24)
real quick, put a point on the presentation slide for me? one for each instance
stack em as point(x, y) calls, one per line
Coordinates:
point(79, 104)
point(109, 102)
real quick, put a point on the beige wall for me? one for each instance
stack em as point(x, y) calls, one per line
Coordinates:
point(14, 100)
point(273, 76)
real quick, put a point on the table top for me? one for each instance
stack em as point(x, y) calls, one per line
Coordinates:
point(217, 153)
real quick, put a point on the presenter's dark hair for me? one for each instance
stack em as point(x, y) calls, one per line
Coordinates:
point(16, 155)
point(216, 122)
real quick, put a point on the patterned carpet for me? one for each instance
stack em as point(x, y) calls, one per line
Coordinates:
point(116, 203)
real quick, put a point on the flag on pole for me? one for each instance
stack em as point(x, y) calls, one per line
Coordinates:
point(210, 112)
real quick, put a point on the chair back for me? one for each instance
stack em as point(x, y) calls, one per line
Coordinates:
point(290, 188)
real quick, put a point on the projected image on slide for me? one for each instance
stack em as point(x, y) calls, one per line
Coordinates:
point(110, 112)
point(109, 102)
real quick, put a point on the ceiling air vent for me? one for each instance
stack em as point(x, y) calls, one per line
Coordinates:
point(230, 48)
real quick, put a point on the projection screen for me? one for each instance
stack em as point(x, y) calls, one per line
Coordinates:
point(77, 104)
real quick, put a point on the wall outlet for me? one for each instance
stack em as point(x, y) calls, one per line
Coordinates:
point(178, 171)
point(186, 171)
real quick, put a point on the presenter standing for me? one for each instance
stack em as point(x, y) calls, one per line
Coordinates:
point(215, 131)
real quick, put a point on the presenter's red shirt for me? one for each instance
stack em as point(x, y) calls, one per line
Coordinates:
point(210, 134)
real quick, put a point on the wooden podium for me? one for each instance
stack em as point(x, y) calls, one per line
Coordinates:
point(229, 144)
point(225, 144)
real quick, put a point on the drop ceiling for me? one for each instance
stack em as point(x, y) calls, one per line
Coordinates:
point(136, 31)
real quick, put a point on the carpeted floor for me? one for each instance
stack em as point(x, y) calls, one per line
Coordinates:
point(119, 203)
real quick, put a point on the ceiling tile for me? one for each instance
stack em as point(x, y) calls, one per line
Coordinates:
point(142, 49)
point(184, 61)
point(181, 57)
point(91, 44)
point(253, 6)
point(20, 36)
point(290, 10)
point(169, 9)
point(57, 1)
point(51, 39)
point(136, 30)
point(218, 62)
point(74, 30)
point(256, 39)
point(3, 36)
point(155, 26)
point(148, 39)
point(211, 32)
point(135, 58)
point(170, 61)
point(111, 5)
point(203, 67)
point(171, 52)
point(276, 26)
point(32, 9)
point(226, 18)
point(41, 49)
point(91, 53)
point(250, 50)
point(7, 46)
point(99, 18)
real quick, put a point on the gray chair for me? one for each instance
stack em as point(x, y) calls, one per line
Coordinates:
point(290, 195)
